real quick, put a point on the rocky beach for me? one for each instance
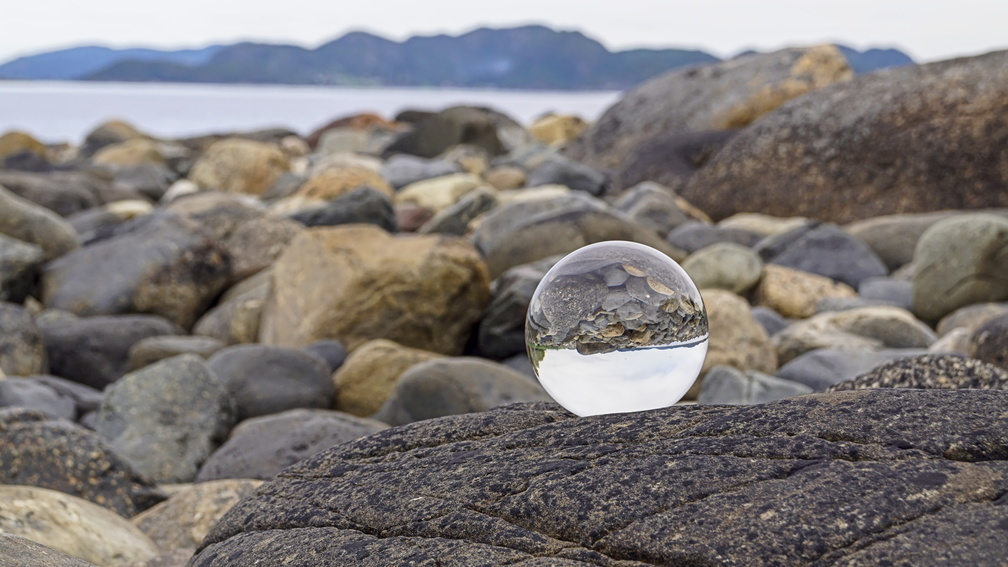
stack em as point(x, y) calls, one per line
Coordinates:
point(308, 348)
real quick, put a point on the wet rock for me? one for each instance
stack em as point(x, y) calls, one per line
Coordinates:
point(19, 266)
point(794, 293)
point(450, 386)
point(823, 367)
point(725, 266)
point(960, 261)
point(154, 349)
point(269, 379)
point(659, 487)
point(693, 236)
point(261, 447)
point(370, 373)
point(989, 342)
point(32, 224)
point(63, 456)
point(95, 350)
point(22, 351)
point(238, 165)
point(167, 418)
point(331, 282)
point(931, 371)
point(825, 250)
point(72, 525)
point(728, 385)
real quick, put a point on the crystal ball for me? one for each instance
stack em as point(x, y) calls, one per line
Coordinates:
point(616, 327)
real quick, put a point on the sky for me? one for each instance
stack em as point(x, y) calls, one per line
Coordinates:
point(927, 30)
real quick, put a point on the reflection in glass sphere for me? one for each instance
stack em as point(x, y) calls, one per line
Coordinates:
point(616, 327)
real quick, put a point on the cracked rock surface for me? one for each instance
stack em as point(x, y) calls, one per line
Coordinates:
point(845, 478)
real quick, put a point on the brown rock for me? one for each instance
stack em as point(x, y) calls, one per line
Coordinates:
point(357, 282)
point(15, 142)
point(236, 165)
point(558, 129)
point(505, 177)
point(136, 151)
point(336, 181)
point(794, 293)
point(369, 374)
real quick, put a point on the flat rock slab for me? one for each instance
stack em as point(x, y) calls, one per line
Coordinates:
point(905, 476)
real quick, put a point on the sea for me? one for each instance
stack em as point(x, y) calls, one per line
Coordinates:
point(57, 112)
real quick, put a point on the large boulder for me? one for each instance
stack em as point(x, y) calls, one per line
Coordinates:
point(719, 96)
point(670, 158)
point(237, 165)
point(357, 282)
point(167, 418)
point(164, 265)
point(960, 261)
point(910, 139)
point(63, 456)
point(857, 478)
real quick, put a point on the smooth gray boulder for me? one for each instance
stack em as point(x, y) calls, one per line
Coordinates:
point(727, 385)
point(823, 367)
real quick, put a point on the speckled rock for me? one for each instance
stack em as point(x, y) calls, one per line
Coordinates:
point(933, 372)
point(23, 552)
point(72, 525)
point(794, 293)
point(63, 456)
point(261, 447)
point(167, 418)
point(706, 485)
point(989, 342)
point(369, 374)
point(182, 521)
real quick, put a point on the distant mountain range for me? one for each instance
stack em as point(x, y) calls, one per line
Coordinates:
point(527, 57)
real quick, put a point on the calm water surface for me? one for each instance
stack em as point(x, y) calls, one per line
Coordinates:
point(66, 111)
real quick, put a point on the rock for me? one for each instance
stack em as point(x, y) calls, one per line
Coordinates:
point(154, 349)
point(438, 193)
point(369, 374)
point(454, 219)
point(331, 282)
point(765, 225)
point(167, 418)
point(350, 163)
point(888, 291)
point(770, 320)
point(403, 169)
point(558, 170)
point(956, 341)
point(22, 351)
point(268, 379)
point(332, 353)
point(362, 205)
point(176, 558)
point(720, 96)
point(19, 266)
point(989, 342)
point(558, 130)
point(823, 367)
point(707, 485)
point(501, 330)
point(63, 456)
point(449, 386)
point(794, 293)
point(362, 121)
point(236, 317)
point(261, 447)
point(736, 339)
point(971, 317)
point(240, 225)
point(369, 141)
point(871, 328)
point(694, 235)
point(410, 217)
point(825, 250)
point(24, 552)
point(73, 526)
point(933, 372)
point(182, 521)
point(335, 182)
point(237, 165)
point(32, 394)
point(165, 265)
point(481, 127)
point(95, 350)
point(894, 237)
point(670, 158)
point(85, 398)
point(132, 152)
point(102, 222)
point(905, 140)
point(63, 192)
point(505, 177)
point(25, 221)
point(960, 261)
point(727, 385)
point(657, 207)
point(15, 142)
point(526, 231)
point(145, 180)
point(725, 266)
point(106, 134)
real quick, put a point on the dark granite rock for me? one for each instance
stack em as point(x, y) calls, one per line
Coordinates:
point(501, 330)
point(933, 371)
point(16, 551)
point(825, 250)
point(63, 456)
point(261, 447)
point(269, 379)
point(480, 127)
point(95, 350)
point(167, 418)
point(670, 158)
point(693, 236)
point(828, 478)
point(363, 204)
point(21, 349)
point(989, 342)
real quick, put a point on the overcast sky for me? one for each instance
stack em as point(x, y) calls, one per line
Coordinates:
point(926, 29)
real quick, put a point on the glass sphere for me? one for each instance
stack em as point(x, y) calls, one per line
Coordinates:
point(616, 327)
